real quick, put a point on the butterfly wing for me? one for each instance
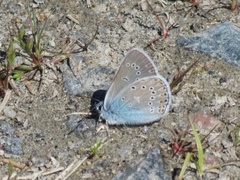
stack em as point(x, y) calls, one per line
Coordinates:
point(136, 65)
point(141, 102)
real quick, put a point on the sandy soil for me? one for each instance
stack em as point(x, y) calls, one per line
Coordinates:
point(210, 93)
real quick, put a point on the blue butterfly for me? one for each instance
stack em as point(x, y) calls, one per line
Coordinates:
point(138, 93)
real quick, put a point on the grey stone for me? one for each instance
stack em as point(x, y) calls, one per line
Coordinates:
point(88, 79)
point(6, 128)
point(38, 161)
point(82, 127)
point(9, 112)
point(150, 167)
point(13, 146)
point(221, 41)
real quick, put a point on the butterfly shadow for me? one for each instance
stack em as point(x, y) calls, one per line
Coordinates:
point(87, 125)
point(96, 103)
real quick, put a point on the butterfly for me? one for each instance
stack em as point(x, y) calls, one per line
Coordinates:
point(138, 94)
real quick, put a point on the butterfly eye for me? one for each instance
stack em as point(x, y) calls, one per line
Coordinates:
point(99, 106)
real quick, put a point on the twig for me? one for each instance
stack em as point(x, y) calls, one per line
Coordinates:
point(71, 168)
point(5, 100)
point(14, 163)
point(85, 46)
point(162, 25)
point(159, 20)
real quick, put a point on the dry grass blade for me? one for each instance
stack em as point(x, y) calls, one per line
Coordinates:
point(80, 113)
point(179, 78)
point(77, 163)
point(5, 100)
point(36, 175)
point(85, 46)
point(204, 138)
point(14, 163)
point(162, 25)
point(71, 169)
point(165, 30)
point(52, 171)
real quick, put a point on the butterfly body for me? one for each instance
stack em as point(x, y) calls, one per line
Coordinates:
point(138, 94)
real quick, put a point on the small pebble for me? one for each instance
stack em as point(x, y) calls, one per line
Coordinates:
point(9, 112)
point(124, 152)
point(6, 128)
point(13, 146)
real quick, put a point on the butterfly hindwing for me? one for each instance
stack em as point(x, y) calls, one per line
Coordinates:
point(142, 102)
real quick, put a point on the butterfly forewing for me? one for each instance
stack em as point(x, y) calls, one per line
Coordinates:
point(136, 65)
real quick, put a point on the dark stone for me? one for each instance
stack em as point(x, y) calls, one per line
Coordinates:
point(150, 167)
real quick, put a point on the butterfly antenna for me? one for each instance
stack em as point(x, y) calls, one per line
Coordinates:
point(80, 113)
point(94, 109)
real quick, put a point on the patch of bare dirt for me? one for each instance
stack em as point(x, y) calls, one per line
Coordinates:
point(210, 93)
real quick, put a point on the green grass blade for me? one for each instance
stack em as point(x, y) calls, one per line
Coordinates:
point(185, 164)
point(200, 161)
point(236, 139)
point(10, 54)
point(95, 148)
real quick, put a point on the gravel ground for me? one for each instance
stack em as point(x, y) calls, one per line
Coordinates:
point(36, 130)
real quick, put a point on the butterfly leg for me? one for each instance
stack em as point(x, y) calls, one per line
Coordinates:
point(103, 127)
